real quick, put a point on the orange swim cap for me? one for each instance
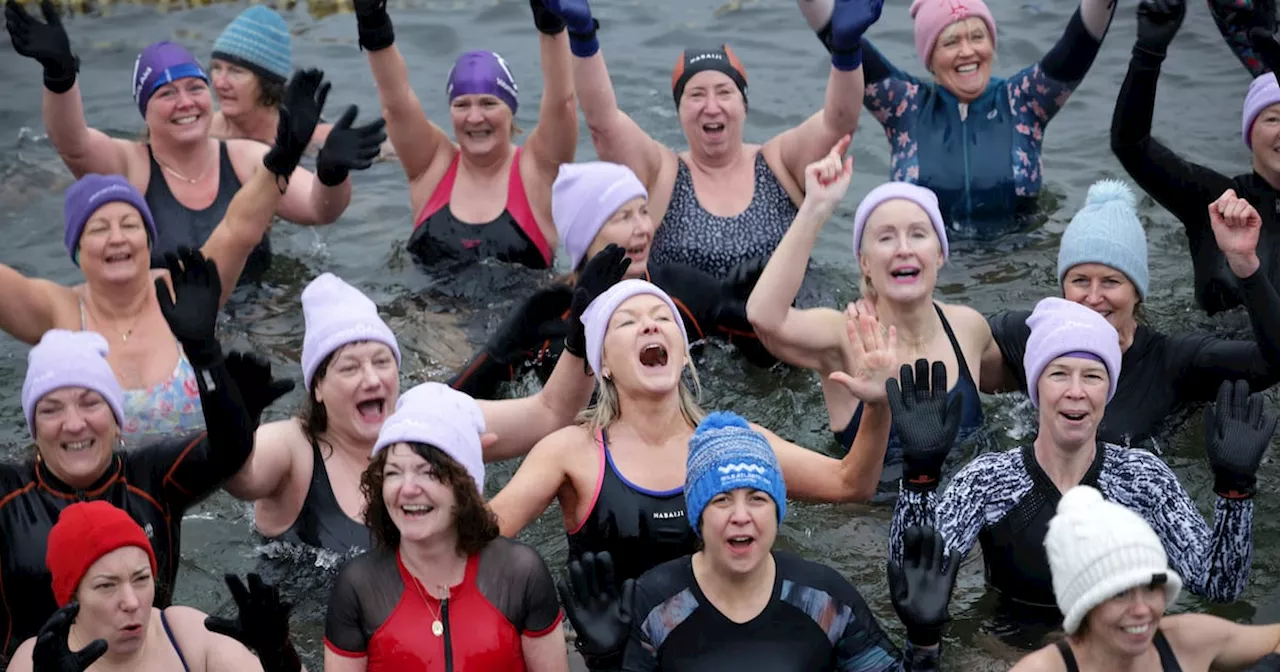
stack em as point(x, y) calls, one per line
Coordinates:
point(720, 59)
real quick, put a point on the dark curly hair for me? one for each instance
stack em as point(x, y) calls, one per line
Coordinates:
point(476, 524)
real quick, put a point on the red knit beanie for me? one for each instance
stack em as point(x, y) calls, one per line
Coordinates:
point(86, 531)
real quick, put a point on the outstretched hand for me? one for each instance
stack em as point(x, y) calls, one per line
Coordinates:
point(920, 584)
point(599, 274)
point(827, 179)
point(192, 313)
point(349, 148)
point(52, 653)
point(875, 353)
point(600, 615)
point(46, 42)
point(925, 422)
point(1236, 435)
point(300, 112)
point(252, 373)
point(1158, 24)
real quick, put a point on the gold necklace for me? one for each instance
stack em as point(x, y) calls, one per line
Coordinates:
point(124, 335)
point(437, 627)
point(180, 175)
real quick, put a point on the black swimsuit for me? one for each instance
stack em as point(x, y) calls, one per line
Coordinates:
point(1168, 661)
point(322, 523)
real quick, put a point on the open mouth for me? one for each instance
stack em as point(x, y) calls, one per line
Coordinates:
point(741, 544)
point(714, 128)
point(653, 355)
point(416, 510)
point(1137, 629)
point(372, 410)
point(119, 257)
point(480, 135)
point(132, 630)
point(1073, 417)
point(187, 120)
point(78, 446)
point(637, 251)
point(905, 274)
point(967, 68)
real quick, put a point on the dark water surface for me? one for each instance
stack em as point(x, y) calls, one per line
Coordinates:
point(438, 319)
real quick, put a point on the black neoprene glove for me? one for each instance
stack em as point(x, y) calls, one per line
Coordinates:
point(735, 289)
point(349, 148)
point(261, 624)
point(46, 42)
point(51, 653)
point(548, 22)
point(258, 389)
point(1236, 434)
point(374, 24)
point(1158, 23)
point(529, 325)
point(1268, 48)
point(193, 312)
point(920, 585)
point(925, 422)
point(303, 101)
point(599, 274)
point(601, 617)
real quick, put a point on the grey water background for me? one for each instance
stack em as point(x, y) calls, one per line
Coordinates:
point(440, 318)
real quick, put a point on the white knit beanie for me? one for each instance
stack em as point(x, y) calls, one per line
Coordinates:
point(1097, 550)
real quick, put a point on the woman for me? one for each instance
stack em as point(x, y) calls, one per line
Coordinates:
point(1113, 581)
point(74, 409)
point(104, 579)
point(739, 603)
point(188, 177)
point(618, 475)
point(248, 69)
point(932, 125)
point(1188, 190)
point(721, 202)
point(597, 204)
point(901, 242)
point(1102, 264)
point(304, 475)
point(1004, 500)
point(111, 235)
point(490, 601)
point(484, 197)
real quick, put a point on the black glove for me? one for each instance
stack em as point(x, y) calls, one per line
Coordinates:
point(599, 274)
point(1158, 23)
point(349, 148)
point(735, 289)
point(920, 586)
point(303, 101)
point(1236, 434)
point(925, 422)
point(548, 22)
point(193, 313)
point(258, 389)
point(1268, 48)
point(262, 623)
point(51, 653)
point(46, 42)
point(529, 325)
point(601, 617)
point(374, 24)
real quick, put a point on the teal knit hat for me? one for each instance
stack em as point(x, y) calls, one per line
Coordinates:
point(725, 454)
point(1107, 231)
point(258, 39)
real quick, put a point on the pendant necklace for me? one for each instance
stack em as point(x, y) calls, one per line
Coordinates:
point(180, 175)
point(437, 628)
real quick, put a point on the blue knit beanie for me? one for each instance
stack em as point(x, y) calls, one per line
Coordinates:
point(1107, 231)
point(258, 39)
point(726, 454)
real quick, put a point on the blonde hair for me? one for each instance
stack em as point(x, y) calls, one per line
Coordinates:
point(608, 407)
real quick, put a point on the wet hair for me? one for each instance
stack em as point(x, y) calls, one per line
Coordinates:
point(314, 416)
point(476, 524)
point(607, 409)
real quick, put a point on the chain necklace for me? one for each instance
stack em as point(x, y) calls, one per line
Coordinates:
point(175, 173)
point(124, 335)
point(437, 627)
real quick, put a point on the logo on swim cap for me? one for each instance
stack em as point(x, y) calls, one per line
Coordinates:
point(721, 59)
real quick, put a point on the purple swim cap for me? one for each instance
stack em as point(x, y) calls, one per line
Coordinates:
point(159, 64)
point(482, 72)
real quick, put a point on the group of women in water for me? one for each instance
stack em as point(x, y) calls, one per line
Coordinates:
point(671, 513)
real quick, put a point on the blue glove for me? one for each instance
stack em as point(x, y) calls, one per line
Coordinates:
point(840, 25)
point(576, 15)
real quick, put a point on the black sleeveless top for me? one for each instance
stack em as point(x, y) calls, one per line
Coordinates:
point(1168, 661)
point(322, 523)
point(177, 225)
point(640, 528)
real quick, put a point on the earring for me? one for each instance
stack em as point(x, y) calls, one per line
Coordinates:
point(604, 373)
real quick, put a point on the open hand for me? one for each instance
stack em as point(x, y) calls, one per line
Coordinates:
point(599, 613)
point(874, 353)
point(349, 148)
point(52, 654)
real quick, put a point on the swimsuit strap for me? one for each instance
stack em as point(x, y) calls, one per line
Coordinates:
point(164, 620)
point(1068, 657)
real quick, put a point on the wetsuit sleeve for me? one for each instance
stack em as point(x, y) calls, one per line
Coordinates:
point(1213, 562)
point(533, 330)
point(344, 631)
point(1011, 332)
point(1183, 188)
point(891, 95)
point(1070, 59)
point(540, 607)
point(641, 654)
point(1205, 361)
point(957, 513)
point(482, 376)
point(1235, 18)
point(188, 469)
point(862, 645)
point(1038, 91)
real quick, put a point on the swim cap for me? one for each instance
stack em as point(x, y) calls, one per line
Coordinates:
point(725, 454)
point(437, 415)
point(584, 197)
point(159, 64)
point(85, 532)
point(596, 317)
point(69, 359)
point(1263, 93)
point(1060, 328)
point(259, 40)
point(933, 16)
point(482, 72)
point(1099, 549)
point(91, 192)
point(336, 314)
point(1107, 231)
point(889, 191)
point(721, 59)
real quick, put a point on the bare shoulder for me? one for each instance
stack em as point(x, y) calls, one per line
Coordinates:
point(565, 441)
point(1047, 659)
point(21, 659)
point(965, 320)
point(281, 435)
point(1194, 632)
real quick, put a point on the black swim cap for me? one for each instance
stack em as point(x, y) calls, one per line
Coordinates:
point(721, 59)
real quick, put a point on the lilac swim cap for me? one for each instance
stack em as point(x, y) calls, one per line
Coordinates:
point(159, 64)
point(482, 72)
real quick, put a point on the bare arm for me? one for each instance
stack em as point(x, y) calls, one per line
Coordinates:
point(547, 653)
point(520, 423)
point(84, 150)
point(533, 487)
point(336, 663)
point(616, 136)
point(418, 142)
point(800, 146)
point(246, 221)
point(28, 306)
point(995, 376)
point(266, 472)
point(1232, 646)
point(814, 477)
point(555, 139)
point(306, 201)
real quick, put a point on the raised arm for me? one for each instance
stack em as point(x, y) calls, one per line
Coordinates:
point(814, 477)
point(1235, 20)
point(83, 149)
point(266, 472)
point(535, 484)
point(29, 306)
point(246, 221)
point(554, 139)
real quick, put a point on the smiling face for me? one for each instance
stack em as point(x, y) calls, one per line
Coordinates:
point(418, 502)
point(738, 530)
point(115, 601)
point(239, 90)
point(76, 432)
point(1104, 290)
point(359, 389)
point(644, 351)
point(712, 112)
point(181, 111)
point(481, 122)
point(900, 251)
point(962, 56)
point(114, 246)
point(1264, 138)
point(631, 228)
point(1126, 624)
point(1073, 399)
